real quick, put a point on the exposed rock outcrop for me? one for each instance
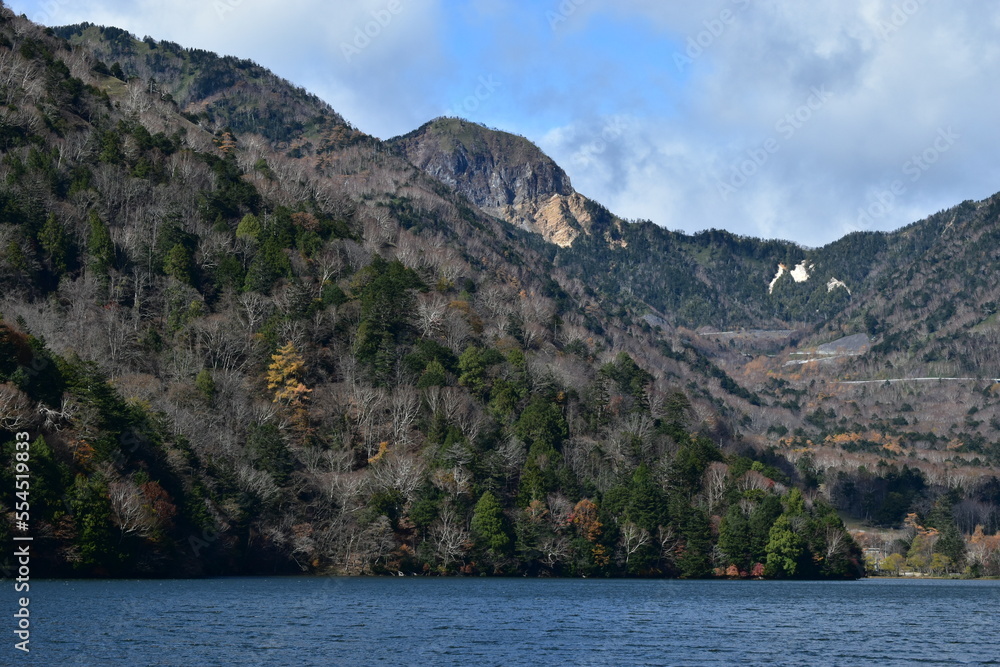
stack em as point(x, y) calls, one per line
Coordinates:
point(504, 174)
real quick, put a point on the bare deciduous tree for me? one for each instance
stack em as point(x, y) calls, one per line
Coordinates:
point(431, 309)
point(403, 472)
point(256, 482)
point(130, 508)
point(715, 483)
point(15, 408)
point(449, 537)
point(327, 263)
point(137, 99)
point(555, 549)
point(256, 309)
point(404, 408)
point(369, 405)
point(633, 538)
point(667, 541)
point(56, 418)
point(836, 540)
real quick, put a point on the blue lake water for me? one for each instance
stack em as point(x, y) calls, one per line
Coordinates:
point(509, 622)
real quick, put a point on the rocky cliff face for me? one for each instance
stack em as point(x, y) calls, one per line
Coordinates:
point(503, 174)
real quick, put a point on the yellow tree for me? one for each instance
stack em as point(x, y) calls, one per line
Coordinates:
point(284, 375)
point(922, 547)
point(226, 143)
point(893, 563)
point(584, 517)
point(284, 378)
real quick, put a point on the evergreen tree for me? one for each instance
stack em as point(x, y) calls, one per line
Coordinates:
point(384, 290)
point(179, 264)
point(647, 504)
point(99, 245)
point(734, 538)
point(433, 375)
point(785, 549)
point(268, 266)
point(542, 427)
point(205, 383)
point(269, 452)
point(489, 525)
point(55, 242)
point(249, 228)
point(534, 483)
point(762, 518)
point(694, 560)
point(91, 506)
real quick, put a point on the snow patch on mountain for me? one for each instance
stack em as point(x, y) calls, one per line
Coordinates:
point(835, 284)
point(800, 274)
point(781, 272)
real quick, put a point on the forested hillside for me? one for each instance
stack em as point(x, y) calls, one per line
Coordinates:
point(872, 429)
point(247, 338)
point(243, 345)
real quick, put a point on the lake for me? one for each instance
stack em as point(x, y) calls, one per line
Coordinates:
point(509, 622)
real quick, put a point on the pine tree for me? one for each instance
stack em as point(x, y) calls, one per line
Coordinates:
point(285, 379)
point(249, 227)
point(489, 524)
point(99, 245)
point(205, 383)
point(734, 538)
point(92, 514)
point(179, 264)
point(646, 505)
point(284, 376)
point(54, 240)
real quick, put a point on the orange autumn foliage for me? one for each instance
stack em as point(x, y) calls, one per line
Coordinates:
point(584, 516)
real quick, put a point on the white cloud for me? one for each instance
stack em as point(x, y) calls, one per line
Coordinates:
point(898, 72)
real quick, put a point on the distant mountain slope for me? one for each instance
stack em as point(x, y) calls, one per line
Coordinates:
point(923, 298)
point(931, 298)
point(218, 91)
point(711, 279)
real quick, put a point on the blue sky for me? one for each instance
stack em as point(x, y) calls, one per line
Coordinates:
point(769, 118)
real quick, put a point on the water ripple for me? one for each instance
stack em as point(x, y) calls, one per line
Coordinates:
point(514, 622)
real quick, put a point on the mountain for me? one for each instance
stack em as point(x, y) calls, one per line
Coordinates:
point(874, 283)
point(870, 282)
point(837, 347)
point(245, 337)
point(503, 174)
point(711, 279)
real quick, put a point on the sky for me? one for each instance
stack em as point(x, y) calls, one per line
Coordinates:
point(802, 121)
